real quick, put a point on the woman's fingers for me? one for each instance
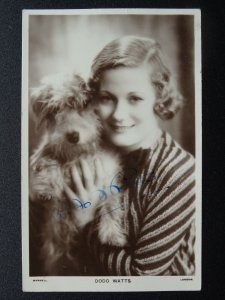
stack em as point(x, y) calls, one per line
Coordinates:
point(85, 182)
point(99, 173)
point(69, 193)
point(82, 216)
point(78, 182)
point(87, 175)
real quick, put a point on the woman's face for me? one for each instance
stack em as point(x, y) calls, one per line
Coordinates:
point(125, 106)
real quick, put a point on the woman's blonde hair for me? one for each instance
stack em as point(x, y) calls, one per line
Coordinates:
point(132, 51)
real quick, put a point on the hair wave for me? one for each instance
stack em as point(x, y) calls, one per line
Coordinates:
point(132, 51)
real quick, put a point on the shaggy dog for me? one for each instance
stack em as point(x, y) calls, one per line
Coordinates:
point(70, 130)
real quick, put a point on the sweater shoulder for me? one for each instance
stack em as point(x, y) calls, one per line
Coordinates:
point(169, 169)
point(170, 158)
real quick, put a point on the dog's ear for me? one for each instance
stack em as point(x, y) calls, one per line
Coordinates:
point(40, 108)
point(77, 91)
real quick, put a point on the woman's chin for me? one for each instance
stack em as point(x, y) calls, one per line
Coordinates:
point(122, 141)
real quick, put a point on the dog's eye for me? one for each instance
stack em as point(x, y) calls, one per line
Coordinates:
point(50, 117)
point(37, 168)
point(51, 112)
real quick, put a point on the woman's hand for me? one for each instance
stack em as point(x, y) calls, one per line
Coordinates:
point(86, 196)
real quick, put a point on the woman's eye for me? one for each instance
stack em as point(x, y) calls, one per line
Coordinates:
point(135, 98)
point(105, 99)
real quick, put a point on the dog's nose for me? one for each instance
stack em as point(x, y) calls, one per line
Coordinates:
point(73, 137)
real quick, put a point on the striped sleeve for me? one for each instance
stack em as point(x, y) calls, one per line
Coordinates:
point(167, 220)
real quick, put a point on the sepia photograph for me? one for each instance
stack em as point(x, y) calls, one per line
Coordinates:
point(111, 150)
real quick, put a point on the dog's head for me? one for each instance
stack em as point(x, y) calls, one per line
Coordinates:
point(61, 104)
point(55, 93)
point(73, 133)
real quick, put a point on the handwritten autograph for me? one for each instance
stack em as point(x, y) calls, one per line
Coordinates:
point(114, 189)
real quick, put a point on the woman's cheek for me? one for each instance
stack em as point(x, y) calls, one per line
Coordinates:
point(142, 112)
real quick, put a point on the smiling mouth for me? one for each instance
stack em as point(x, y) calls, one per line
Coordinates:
point(121, 129)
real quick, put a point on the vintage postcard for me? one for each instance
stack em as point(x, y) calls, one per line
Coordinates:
point(111, 150)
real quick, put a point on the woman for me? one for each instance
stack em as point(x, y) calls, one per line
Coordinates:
point(132, 88)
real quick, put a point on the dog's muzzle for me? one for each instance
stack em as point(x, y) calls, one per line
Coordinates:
point(73, 137)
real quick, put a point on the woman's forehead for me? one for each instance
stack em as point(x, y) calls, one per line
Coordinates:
point(124, 78)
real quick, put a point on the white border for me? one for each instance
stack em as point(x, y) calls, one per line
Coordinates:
point(83, 284)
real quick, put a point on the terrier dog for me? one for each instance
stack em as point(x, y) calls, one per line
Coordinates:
point(72, 130)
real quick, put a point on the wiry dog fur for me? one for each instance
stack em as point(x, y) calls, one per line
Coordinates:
point(72, 130)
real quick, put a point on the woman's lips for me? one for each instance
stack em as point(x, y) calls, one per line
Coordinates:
point(121, 129)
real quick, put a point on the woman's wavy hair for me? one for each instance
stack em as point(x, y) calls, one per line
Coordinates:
point(132, 51)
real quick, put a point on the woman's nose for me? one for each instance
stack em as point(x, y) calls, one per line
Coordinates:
point(120, 111)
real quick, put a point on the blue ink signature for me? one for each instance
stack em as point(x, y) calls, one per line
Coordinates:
point(81, 204)
point(114, 188)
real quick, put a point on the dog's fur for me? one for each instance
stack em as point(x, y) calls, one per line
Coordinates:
point(71, 131)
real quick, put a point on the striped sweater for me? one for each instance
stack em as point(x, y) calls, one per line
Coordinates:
point(159, 207)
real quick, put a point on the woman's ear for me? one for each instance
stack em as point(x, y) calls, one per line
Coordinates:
point(162, 111)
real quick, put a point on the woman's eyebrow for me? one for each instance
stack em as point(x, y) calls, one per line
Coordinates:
point(106, 92)
point(134, 93)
